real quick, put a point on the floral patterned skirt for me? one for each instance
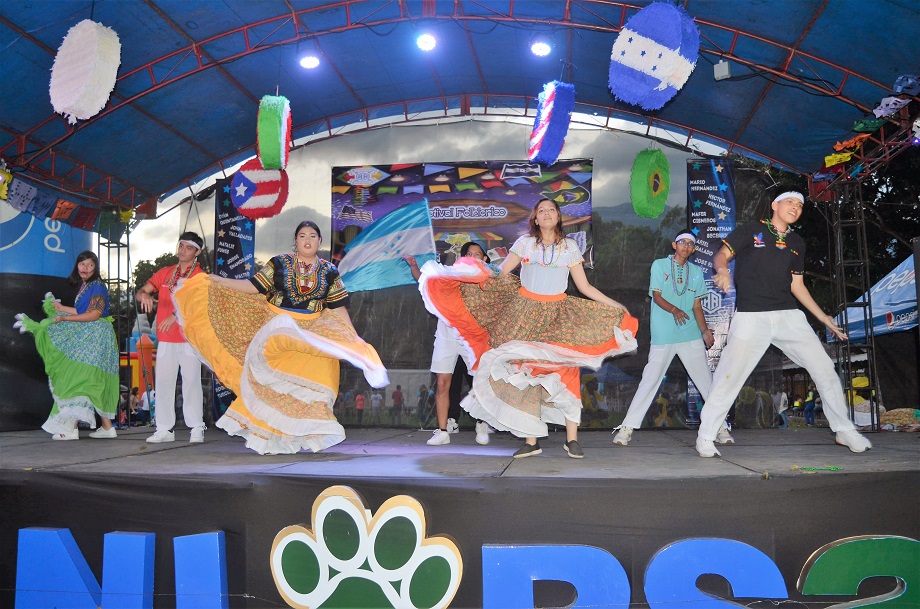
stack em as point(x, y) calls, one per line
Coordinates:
point(282, 365)
point(527, 348)
point(81, 361)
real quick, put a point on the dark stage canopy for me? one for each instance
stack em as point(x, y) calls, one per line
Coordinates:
point(192, 74)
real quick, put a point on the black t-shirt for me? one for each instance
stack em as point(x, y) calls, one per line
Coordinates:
point(763, 270)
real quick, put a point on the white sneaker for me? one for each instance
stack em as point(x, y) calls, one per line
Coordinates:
point(197, 434)
point(724, 436)
point(104, 433)
point(624, 435)
point(482, 433)
point(452, 426)
point(162, 435)
point(73, 434)
point(439, 438)
point(853, 440)
point(706, 448)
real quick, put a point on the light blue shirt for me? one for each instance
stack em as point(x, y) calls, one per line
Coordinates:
point(665, 330)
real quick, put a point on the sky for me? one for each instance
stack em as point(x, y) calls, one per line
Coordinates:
point(310, 175)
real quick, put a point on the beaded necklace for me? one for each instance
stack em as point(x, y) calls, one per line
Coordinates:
point(177, 276)
point(304, 275)
point(780, 236)
point(552, 253)
point(677, 277)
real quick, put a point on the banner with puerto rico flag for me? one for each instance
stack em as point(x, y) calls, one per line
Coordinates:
point(484, 201)
point(711, 211)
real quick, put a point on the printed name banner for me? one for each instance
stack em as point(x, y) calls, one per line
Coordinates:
point(711, 208)
point(234, 257)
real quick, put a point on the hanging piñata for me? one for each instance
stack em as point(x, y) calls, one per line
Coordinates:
point(84, 70)
point(273, 131)
point(257, 192)
point(650, 183)
point(653, 56)
point(551, 125)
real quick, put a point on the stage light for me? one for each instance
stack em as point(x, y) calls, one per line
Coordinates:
point(426, 42)
point(309, 62)
point(540, 48)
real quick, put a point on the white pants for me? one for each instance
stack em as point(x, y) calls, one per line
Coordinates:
point(692, 355)
point(749, 337)
point(171, 357)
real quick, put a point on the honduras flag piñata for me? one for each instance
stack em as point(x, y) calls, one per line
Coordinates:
point(374, 259)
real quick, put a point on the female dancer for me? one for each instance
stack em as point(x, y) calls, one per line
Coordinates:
point(79, 349)
point(279, 352)
point(529, 340)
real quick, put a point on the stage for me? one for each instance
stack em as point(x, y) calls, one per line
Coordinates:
point(617, 517)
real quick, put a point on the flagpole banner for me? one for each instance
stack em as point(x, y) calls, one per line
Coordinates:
point(234, 257)
point(382, 213)
point(712, 213)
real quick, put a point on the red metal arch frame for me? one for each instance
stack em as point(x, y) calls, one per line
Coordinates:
point(204, 61)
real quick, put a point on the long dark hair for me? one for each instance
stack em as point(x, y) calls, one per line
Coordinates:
point(534, 230)
point(312, 225)
point(74, 278)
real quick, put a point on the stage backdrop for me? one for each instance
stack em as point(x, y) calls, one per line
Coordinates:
point(381, 213)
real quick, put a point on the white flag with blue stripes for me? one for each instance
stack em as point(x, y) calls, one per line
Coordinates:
point(374, 259)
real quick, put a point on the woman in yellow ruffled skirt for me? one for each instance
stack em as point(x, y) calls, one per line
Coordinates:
point(276, 340)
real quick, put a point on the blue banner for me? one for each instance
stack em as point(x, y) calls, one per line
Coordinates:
point(234, 257)
point(711, 210)
point(36, 246)
point(894, 305)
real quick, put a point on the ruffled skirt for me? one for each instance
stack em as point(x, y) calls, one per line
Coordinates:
point(282, 365)
point(527, 348)
point(81, 361)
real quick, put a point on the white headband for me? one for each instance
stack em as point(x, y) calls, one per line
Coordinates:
point(685, 236)
point(793, 194)
point(192, 243)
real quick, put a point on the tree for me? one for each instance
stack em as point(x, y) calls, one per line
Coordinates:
point(145, 269)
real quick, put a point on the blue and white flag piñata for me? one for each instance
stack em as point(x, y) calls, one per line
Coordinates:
point(373, 260)
point(653, 55)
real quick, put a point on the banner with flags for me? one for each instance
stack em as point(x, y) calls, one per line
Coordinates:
point(484, 201)
point(711, 207)
point(374, 259)
point(234, 257)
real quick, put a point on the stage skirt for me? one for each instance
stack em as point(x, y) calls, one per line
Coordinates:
point(81, 361)
point(282, 365)
point(527, 348)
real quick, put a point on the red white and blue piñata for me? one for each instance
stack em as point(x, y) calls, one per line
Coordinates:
point(257, 192)
point(653, 56)
point(552, 122)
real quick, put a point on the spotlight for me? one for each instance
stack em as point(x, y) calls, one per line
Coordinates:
point(426, 42)
point(309, 62)
point(722, 70)
point(540, 48)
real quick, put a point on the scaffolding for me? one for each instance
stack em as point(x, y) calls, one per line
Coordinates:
point(853, 294)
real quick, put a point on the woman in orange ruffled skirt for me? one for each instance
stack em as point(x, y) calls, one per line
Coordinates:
point(527, 338)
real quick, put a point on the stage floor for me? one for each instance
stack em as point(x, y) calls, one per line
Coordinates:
point(654, 454)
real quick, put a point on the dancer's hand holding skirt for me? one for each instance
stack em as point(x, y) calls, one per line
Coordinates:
point(282, 365)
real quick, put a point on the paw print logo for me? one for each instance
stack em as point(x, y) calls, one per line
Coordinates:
point(352, 558)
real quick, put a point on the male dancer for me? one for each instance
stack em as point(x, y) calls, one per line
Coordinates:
point(676, 287)
point(447, 350)
point(769, 263)
point(173, 352)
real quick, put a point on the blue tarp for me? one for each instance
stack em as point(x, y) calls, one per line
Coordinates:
point(894, 304)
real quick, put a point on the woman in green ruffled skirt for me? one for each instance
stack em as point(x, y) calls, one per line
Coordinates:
point(80, 352)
